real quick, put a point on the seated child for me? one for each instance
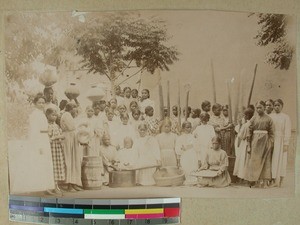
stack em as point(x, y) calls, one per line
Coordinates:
point(108, 153)
point(216, 160)
point(127, 157)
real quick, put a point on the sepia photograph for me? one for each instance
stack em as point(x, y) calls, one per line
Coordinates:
point(156, 103)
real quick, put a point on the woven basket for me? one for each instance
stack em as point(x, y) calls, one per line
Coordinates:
point(169, 176)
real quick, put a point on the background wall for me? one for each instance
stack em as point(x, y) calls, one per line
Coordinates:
point(194, 211)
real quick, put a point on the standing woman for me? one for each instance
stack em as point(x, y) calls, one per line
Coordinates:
point(282, 124)
point(261, 138)
point(42, 178)
point(73, 157)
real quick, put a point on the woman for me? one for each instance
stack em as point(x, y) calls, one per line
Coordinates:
point(38, 173)
point(145, 100)
point(282, 124)
point(261, 138)
point(167, 140)
point(73, 157)
point(186, 154)
point(148, 156)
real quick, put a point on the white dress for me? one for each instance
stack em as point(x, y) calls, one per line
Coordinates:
point(203, 134)
point(32, 169)
point(167, 143)
point(282, 136)
point(185, 149)
point(128, 158)
point(148, 155)
point(241, 151)
point(125, 131)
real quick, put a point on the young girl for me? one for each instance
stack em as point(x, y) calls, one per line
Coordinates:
point(58, 159)
point(167, 141)
point(227, 133)
point(195, 118)
point(127, 96)
point(242, 146)
point(186, 154)
point(73, 156)
point(203, 134)
point(135, 120)
point(145, 100)
point(125, 130)
point(282, 124)
point(148, 155)
point(127, 157)
point(152, 123)
point(111, 126)
point(108, 153)
point(216, 160)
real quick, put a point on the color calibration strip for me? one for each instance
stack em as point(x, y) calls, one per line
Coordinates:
point(66, 211)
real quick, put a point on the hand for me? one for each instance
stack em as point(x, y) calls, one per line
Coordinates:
point(285, 148)
point(219, 172)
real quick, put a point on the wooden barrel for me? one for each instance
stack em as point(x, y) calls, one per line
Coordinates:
point(231, 161)
point(91, 172)
point(122, 178)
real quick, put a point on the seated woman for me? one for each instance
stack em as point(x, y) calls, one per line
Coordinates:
point(216, 160)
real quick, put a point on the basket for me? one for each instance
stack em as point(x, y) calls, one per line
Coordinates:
point(169, 176)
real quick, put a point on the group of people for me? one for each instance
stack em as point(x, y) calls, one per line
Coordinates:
point(124, 132)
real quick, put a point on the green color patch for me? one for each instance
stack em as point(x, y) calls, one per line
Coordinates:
point(104, 211)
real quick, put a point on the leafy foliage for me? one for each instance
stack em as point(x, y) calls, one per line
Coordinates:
point(273, 31)
point(121, 41)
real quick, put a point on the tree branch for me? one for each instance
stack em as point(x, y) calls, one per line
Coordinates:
point(131, 76)
point(122, 73)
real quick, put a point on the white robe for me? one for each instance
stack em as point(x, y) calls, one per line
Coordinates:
point(31, 166)
point(282, 136)
point(125, 131)
point(203, 134)
point(148, 155)
point(185, 149)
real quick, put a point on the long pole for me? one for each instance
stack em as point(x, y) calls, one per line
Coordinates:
point(252, 85)
point(179, 106)
point(168, 99)
point(229, 102)
point(213, 81)
point(237, 102)
point(161, 101)
point(187, 102)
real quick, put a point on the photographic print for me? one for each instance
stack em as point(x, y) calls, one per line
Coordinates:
point(139, 104)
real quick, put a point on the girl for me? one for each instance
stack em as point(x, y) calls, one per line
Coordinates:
point(203, 134)
point(216, 160)
point(111, 126)
point(216, 120)
point(269, 107)
point(282, 124)
point(148, 155)
point(195, 118)
point(145, 100)
point(114, 105)
point(227, 133)
point(205, 106)
point(186, 154)
point(73, 156)
point(261, 135)
point(242, 146)
point(127, 96)
point(133, 106)
point(152, 123)
point(167, 141)
point(135, 94)
point(125, 130)
point(55, 135)
point(108, 153)
point(135, 120)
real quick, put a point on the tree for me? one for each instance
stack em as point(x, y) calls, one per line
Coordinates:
point(273, 30)
point(33, 37)
point(121, 42)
